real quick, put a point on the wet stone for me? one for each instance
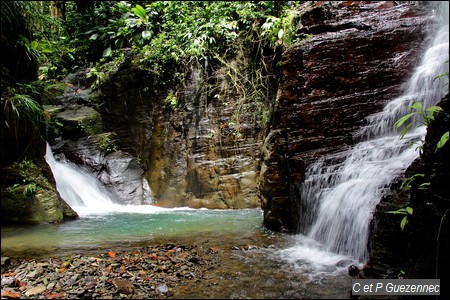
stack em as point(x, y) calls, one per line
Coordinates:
point(35, 290)
point(134, 274)
point(5, 261)
point(162, 289)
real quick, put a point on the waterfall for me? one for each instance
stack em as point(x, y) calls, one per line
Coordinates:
point(80, 189)
point(84, 193)
point(341, 197)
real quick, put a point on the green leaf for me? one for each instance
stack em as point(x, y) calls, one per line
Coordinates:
point(119, 43)
point(409, 210)
point(403, 119)
point(442, 141)
point(404, 222)
point(416, 105)
point(434, 108)
point(140, 11)
point(397, 212)
point(280, 33)
point(146, 34)
point(107, 52)
point(405, 130)
point(424, 185)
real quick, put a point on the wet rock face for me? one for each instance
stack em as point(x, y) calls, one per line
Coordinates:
point(421, 249)
point(357, 60)
point(33, 201)
point(82, 140)
point(196, 154)
point(119, 171)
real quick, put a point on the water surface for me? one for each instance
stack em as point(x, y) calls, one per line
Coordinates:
point(254, 262)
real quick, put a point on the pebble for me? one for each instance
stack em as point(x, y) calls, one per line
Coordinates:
point(162, 288)
point(147, 272)
point(35, 290)
point(5, 261)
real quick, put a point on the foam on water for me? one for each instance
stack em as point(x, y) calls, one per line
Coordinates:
point(85, 194)
point(340, 195)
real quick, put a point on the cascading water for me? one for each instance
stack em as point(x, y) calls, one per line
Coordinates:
point(77, 187)
point(84, 193)
point(341, 197)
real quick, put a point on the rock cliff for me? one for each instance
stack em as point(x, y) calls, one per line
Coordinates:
point(357, 58)
point(198, 150)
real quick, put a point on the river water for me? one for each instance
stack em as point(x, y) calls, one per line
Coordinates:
point(251, 265)
point(276, 265)
point(253, 260)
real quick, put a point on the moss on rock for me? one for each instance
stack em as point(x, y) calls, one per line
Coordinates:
point(29, 197)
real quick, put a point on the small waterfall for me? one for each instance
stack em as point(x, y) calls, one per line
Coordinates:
point(341, 197)
point(84, 193)
point(80, 189)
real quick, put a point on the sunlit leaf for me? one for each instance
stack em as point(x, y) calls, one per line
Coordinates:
point(442, 141)
point(397, 212)
point(280, 33)
point(409, 210)
point(107, 52)
point(416, 105)
point(403, 119)
point(140, 11)
point(404, 222)
point(405, 130)
point(146, 34)
point(434, 108)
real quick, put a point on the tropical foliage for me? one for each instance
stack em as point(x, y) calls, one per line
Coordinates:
point(164, 37)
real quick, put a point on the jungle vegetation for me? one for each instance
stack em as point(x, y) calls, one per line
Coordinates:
point(43, 41)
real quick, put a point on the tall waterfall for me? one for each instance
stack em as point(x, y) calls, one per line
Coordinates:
point(341, 197)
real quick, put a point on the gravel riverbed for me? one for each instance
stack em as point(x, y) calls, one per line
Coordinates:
point(152, 271)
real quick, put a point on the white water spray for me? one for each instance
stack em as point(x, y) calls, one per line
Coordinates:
point(84, 193)
point(341, 197)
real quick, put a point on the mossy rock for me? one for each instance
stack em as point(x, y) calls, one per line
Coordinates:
point(77, 121)
point(30, 198)
point(52, 93)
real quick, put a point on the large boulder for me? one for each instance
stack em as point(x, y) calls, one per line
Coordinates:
point(30, 196)
point(118, 170)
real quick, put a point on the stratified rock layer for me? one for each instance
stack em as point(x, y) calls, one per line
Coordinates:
point(201, 152)
point(356, 61)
